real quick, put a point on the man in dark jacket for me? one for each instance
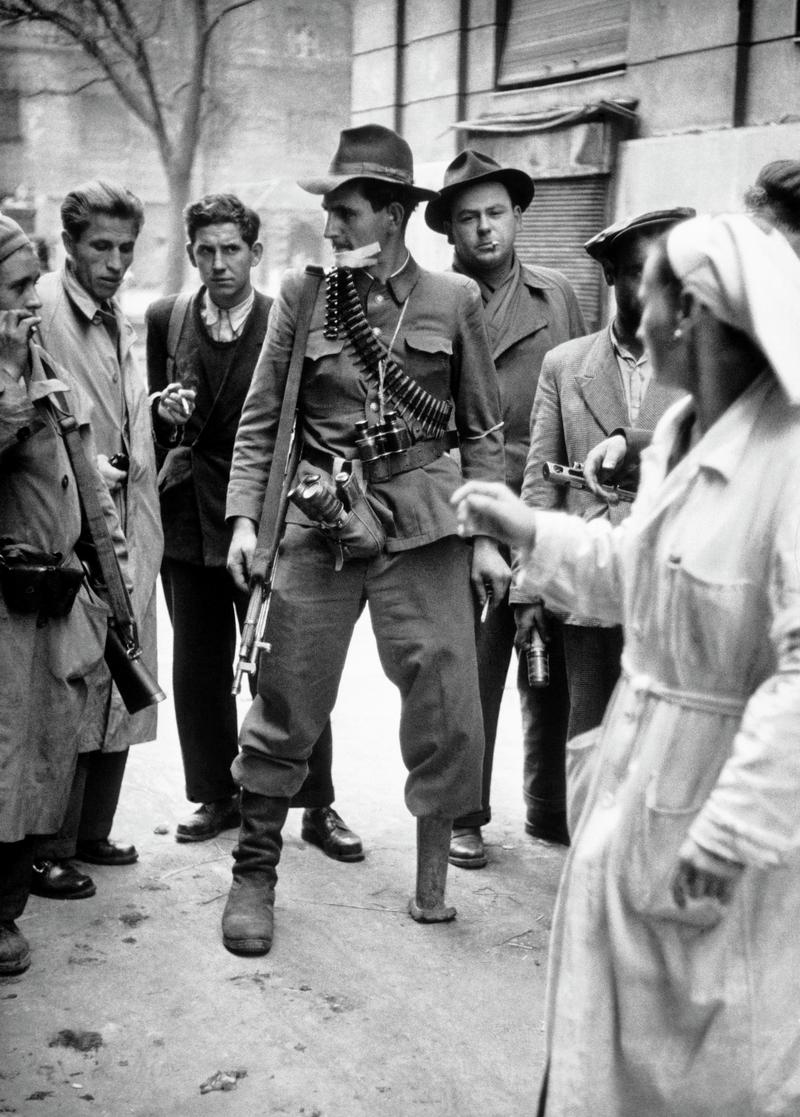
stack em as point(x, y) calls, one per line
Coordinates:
point(201, 352)
point(527, 310)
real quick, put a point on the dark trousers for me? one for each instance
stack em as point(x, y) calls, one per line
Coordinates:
point(545, 711)
point(92, 805)
point(593, 657)
point(16, 863)
point(204, 607)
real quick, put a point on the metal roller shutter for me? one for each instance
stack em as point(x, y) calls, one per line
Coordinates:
point(546, 40)
point(564, 214)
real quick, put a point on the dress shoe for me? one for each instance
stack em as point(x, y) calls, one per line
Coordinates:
point(103, 851)
point(323, 827)
point(466, 848)
point(209, 820)
point(60, 880)
point(15, 956)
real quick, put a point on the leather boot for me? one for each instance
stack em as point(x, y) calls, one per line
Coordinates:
point(433, 847)
point(248, 916)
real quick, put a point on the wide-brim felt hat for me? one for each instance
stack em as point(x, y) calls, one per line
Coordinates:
point(468, 169)
point(369, 151)
point(604, 245)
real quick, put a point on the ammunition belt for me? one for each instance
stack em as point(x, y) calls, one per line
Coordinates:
point(343, 306)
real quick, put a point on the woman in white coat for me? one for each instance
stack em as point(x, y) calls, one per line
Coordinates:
point(674, 981)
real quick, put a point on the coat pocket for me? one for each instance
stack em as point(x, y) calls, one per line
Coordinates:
point(77, 643)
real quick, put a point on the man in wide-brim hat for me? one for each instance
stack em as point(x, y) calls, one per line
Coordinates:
point(528, 309)
point(386, 340)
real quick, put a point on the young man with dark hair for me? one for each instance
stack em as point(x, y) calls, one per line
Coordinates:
point(199, 378)
point(85, 329)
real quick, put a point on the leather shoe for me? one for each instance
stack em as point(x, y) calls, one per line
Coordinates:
point(466, 848)
point(60, 880)
point(15, 955)
point(103, 851)
point(323, 827)
point(209, 820)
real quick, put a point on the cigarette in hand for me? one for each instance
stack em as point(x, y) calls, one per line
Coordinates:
point(485, 609)
point(185, 405)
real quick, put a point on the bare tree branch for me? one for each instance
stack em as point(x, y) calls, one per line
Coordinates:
point(226, 12)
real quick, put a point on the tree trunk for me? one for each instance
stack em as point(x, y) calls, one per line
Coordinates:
point(179, 182)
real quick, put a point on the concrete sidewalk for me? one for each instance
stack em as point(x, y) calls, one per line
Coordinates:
point(131, 1003)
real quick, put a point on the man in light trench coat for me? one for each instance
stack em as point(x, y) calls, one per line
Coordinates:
point(84, 327)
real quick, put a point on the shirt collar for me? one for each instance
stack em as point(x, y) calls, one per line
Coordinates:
point(238, 313)
point(87, 304)
point(622, 351)
point(721, 449)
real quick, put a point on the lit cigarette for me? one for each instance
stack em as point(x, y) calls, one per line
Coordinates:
point(185, 405)
point(485, 609)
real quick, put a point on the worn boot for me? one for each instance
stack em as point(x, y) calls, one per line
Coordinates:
point(248, 916)
point(433, 847)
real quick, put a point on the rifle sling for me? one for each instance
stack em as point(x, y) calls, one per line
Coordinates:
point(273, 512)
point(86, 481)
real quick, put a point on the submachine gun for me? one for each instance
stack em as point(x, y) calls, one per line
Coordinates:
point(574, 477)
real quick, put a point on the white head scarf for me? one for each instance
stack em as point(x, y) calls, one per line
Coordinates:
point(747, 277)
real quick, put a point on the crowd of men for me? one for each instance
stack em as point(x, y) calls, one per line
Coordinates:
point(406, 382)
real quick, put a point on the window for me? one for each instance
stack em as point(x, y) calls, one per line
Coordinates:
point(543, 41)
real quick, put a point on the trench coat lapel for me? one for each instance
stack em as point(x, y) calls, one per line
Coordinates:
point(531, 317)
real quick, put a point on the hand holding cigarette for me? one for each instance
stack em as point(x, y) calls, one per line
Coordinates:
point(176, 404)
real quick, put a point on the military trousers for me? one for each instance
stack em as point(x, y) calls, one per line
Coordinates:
point(421, 613)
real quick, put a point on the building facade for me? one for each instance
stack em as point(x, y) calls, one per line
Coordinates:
point(278, 90)
point(614, 106)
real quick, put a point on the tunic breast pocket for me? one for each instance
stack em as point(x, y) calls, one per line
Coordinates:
point(712, 632)
point(328, 379)
point(428, 358)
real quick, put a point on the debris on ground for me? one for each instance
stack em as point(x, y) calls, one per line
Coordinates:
point(132, 918)
point(80, 1041)
point(222, 1080)
point(161, 829)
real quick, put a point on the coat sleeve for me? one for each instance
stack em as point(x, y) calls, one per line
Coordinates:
point(258, 426)
point(478, 414)
point(156, 319)
point(753, 812)
point(18, 417)
point(548, 443)
point(576, 566)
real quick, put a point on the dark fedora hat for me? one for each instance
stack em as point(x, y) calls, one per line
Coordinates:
point(468, 169)
point(604, 245)
point(369, 151)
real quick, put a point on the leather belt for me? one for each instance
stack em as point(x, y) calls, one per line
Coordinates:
point(387, 465)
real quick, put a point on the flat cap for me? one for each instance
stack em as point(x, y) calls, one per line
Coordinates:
point(604, 245)
point(12, 237)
